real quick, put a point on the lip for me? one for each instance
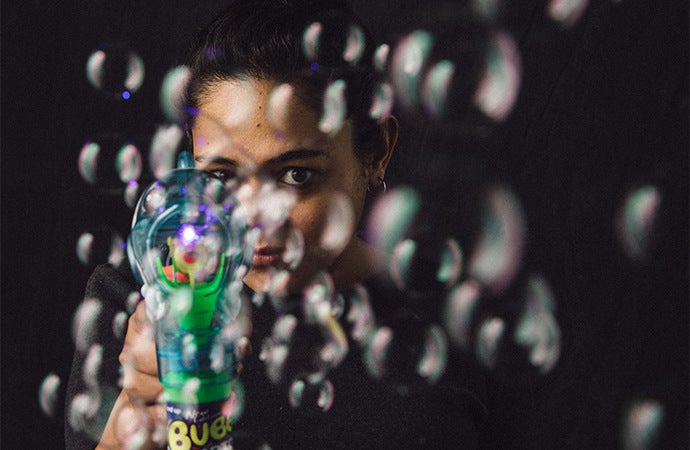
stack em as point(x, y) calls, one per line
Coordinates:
point(267, 256)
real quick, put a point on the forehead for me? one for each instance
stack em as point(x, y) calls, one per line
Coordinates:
point(249, 119)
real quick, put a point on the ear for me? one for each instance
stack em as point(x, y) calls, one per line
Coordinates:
point(376, 167)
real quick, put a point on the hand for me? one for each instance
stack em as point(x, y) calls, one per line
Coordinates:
point(139, 414)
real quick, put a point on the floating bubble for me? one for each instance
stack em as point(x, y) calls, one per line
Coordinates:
point(310, 40)
point(382, 102)
point(489, 340)
point(339, 224)
point(437, 82)
point(406, 353)
point(132, 194)
point(498, 90)
point(460, 307)
point(172, 93)
point(128, 163)
point(278, 106)
point(305, 395)
point(381, 57)
point(424, 264)
point(537, 329)
point(115, 70)
point(486, 9)
point(85, 324)
point(233, 407)
point(355, 44)
point(391, 217)
point(49, 394)
point(566, 12)
point(641, 424)
point(100, 246)
point(92, 366)
point(334, 108)
point(407, 63)
point(120, 324)
point(275, 349)
point(636, 220)
point(499, 249)
point(165, 146)
point(361, 315)
point(88, 161)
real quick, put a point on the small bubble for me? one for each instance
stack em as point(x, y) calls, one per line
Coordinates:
point(354, 47)
point(361, 316)
point(435, 88)
point(164, 148)
point(381, 57)
point(128, 163)
point(306, 395)
point(489, 340)
point(233, 407)
point(100, 246)
point(310, 40)
point(334, 108)
point(641, 424)
point(407, 62)
point(115, 70)
point(499, 87)
point(172, 93)
point(120, 324)
point(339, 224)
point(382, 102)
point(278, 106)
point(88, 161)
point(391, 216)
point(487, 9)
point(85, 324)
point(49, 393)
point(461, 305)
point(566, 12)
point(132, 193)
point(636, 220)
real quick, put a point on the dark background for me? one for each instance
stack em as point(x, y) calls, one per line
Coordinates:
point(603, 108)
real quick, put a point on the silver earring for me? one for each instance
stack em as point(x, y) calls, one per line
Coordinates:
point(383, 183)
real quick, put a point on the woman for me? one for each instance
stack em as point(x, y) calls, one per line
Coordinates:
point(259, 76)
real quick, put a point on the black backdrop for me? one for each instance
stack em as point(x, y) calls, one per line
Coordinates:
point(603, 107)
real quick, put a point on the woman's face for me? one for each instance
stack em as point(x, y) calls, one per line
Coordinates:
point(275, 143)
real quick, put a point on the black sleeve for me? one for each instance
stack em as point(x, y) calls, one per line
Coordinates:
point(101, 321)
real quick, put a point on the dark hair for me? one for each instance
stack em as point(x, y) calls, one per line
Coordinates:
point(263, 39)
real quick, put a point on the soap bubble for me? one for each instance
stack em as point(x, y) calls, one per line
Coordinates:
point(132, 194)
point(165, 147)
point(128, 163)
point(460, 308)
point(407, 62)
point(278, 106)
point(566, 12)
point(325, 43)
point(334, 108)
point(115, 70)
point(486, 9)
point(498, 90)
point(425, 264)
point(275, 349)
point(381, 55)
point(407, 352)
point(233, 407)
point(490, 340)
point(498, 252)
point(172, 93)
point(391, 217)
point(85, 324)
point(339, 224)
point(537, 330)
point(361, 315)
point(636, 220)
point(382, 102)
point(99, 246)
point(305, 395)
point(88, 161)
point(120, 324)
point(435, 88)
point(641, 423)
point(49, 393)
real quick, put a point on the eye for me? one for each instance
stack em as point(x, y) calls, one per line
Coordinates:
point(224, 175)
point(297, 176)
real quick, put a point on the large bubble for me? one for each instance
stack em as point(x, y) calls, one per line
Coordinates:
point(115, 70)
point(109, 161)
point(100, 245)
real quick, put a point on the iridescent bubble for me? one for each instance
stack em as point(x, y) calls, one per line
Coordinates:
point(310, 40)
point(406, 353)
point(407, 63)
point(325, 42)
point(49, 393)
point(418, 265)
point(88, 161)
point(566, 12)
point(641, 424)
point(361, 316)
point(115, 70)
point(164, 149)
point(305, 395)
point(172, 93)
point(636, 220)
point(486, 9)
point(460, 308)
point(85, 324)
point(92, 366)
point(339, 225)
point(382, 102)
point(120, 324)
point(435, 88)
point(128, 163)
point(278, 106)
point(100, 246)
point(381, 57)
point(391, 217)
point(537, 330)
point(498, 90)
point(354, 46)
point(334, 108)
point(275, 349)
point(132, 194)
point(233, 407)
point(490, 338)
point(499, 248)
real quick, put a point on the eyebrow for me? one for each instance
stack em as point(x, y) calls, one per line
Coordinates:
point(300, 153)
